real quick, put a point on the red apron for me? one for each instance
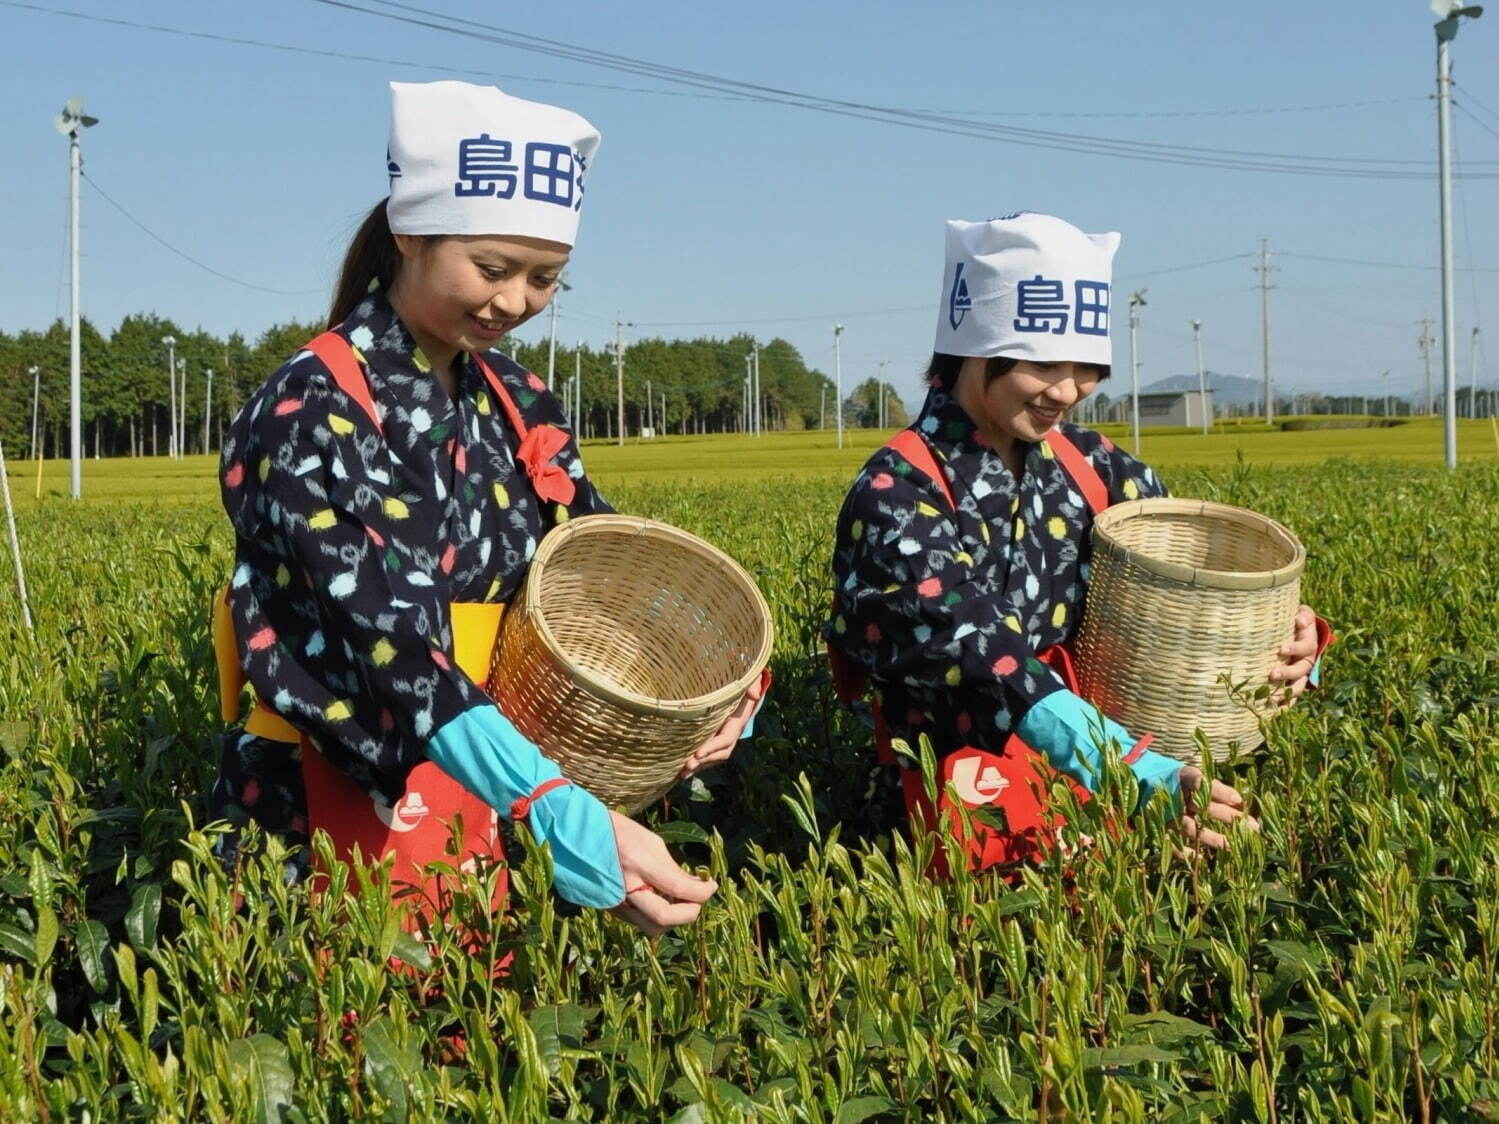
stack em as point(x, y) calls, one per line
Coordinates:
point(418, 829)
point(1014, 782)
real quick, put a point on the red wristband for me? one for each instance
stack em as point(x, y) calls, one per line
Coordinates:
point(521, 808)
point(1139, 749)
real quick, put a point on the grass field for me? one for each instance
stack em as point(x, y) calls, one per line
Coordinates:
point(1342, 966)
point(705, 460)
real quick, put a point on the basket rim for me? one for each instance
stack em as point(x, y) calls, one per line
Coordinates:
point(698, 706)
point(1105, 542)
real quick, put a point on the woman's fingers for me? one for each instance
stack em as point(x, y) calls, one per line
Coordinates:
point(1226, 794)
point(1203, 836)
point(1225, 813)
point(661, 912)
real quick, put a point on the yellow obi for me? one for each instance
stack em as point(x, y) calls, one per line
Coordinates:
point(476, 634)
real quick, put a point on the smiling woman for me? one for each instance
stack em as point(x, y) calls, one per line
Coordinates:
point(388, 488)
point(961, 563)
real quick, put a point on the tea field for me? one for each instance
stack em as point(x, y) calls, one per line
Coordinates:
point(1341, 966)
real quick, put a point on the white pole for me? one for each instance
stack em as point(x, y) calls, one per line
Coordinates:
point(759, 397)
point(171, 342)
point(552, 346)
point(75, 347)
point(619, 379)
point(822, 407)
point(1202, 386)
point(1136, 300)
point(577, 382)
point(182, 407)
point(749, 394)
point(880, 387)
point(207, 407)
point(838, 380)
point(36, 401)
point(15, 543)
point(1444, 140)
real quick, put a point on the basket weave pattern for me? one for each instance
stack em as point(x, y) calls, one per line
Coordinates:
point(629, 645)
point(1184, 593)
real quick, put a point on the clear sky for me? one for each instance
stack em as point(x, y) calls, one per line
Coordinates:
point(708, 214)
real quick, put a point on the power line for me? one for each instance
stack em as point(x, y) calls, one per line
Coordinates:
point(1477, 120)
point(263, 44)
point(1467, 94)
point(188, 257)
point(1153, 152)
point(1162, 113)
point(1378, 264)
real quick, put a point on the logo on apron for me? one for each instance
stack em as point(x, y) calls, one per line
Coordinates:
point(977, 778)
point(405, 815)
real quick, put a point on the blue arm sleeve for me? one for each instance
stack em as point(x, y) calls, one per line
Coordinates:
point(485, 753)
point(1061, 727)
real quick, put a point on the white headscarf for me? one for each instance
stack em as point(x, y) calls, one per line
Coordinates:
point(1027, 286)
point(467, 159)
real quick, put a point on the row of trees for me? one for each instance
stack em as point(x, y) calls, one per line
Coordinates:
point(695, 386)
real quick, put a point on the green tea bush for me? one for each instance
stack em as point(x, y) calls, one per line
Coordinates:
point(1339, 966)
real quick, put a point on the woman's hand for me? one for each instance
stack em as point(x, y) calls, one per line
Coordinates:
point(659, 894)
point(1297, 657)
point(721, 745)
point(1222, 804)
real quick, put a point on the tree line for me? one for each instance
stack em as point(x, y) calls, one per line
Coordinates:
point(695, 386)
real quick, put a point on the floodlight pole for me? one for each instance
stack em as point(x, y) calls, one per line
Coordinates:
point(207, 406)
point(182, 407)
point(171, 342)
point(75, 345)
point(1136, 300)
point(838, 380)
point(1202, 386)
point(1452, 14)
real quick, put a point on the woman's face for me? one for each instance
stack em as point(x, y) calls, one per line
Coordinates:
point(1026, 401)
point(462, 293)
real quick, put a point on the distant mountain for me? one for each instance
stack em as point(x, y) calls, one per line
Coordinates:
point(1227, 389)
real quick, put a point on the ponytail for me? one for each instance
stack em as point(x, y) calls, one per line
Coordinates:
point(372, 256)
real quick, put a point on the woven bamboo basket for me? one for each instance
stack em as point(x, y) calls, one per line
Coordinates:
point(1187, 597)
point(629, 644)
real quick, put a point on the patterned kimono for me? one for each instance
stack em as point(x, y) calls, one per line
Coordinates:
point(349, 546)
point(946, 610)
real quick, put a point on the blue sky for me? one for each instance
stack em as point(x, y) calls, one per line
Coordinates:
point(708, 214)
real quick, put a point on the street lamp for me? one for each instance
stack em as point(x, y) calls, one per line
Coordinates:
point(70, 122)
point(170, 343)
point(1450, 13)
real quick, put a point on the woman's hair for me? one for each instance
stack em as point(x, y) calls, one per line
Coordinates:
point(372, 256)
point(944, 369)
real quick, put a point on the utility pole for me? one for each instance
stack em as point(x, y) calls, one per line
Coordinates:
point(70, 122)
point(822, 407)
point(1424, 343)
point(1264, 269)
point(207, 406)
point(1385, 381)
point(552, 346)
point(171, 343)
point(759, 396)
point(749, 394)
point(1136, 301)
point(619, 379)
point(1202, 386)
point(838, 380)
point(1450, 13)
point(650, 408)
point(1472, 379)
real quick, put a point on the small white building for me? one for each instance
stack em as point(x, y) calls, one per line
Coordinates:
point(1176, 407)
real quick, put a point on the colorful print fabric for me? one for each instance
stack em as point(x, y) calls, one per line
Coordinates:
point(350, 544)
point(946, 610)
